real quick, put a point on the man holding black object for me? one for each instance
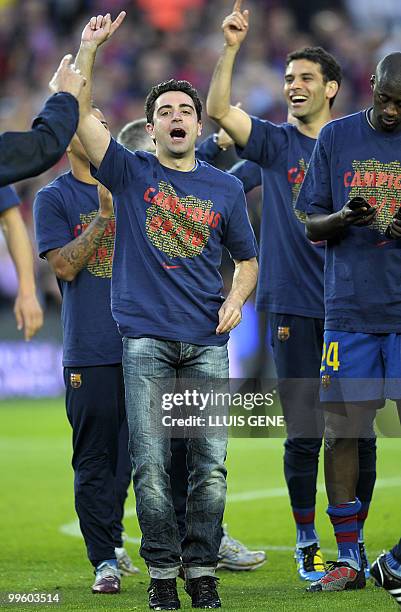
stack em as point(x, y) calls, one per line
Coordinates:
point(361, 363)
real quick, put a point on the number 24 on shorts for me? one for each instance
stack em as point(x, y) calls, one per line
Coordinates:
point(330, 357)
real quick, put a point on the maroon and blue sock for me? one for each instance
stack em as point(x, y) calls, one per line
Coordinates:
point(343, 517)
point(305, 524)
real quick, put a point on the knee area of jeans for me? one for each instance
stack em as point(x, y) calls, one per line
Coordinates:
point(216, 484)
point(153, 470)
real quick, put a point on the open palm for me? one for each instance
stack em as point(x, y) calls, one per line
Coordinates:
point(100, 28)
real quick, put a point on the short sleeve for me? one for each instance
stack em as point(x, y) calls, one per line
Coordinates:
point(207, 150)
point(315, 196)
point(239, 238)
point(266, 142)
point(52, 229)
point(249, 173)
point(118, 169)
point(8, 198)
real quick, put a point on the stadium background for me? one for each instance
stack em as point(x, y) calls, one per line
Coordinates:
point(161, 39)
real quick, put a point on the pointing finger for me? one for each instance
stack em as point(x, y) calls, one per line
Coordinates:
point(118, 21)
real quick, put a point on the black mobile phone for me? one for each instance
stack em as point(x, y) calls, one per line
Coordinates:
point(359, 202)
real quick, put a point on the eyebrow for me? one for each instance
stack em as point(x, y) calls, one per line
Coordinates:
point(183, 105)
point(303, 74)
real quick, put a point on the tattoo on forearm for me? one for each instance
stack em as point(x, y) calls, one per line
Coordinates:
point(78, 252)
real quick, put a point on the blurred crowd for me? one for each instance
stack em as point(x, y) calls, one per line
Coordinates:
point(161, 39)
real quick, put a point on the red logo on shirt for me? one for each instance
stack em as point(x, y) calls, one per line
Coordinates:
point(180, 227)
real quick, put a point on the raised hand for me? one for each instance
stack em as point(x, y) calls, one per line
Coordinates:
point(67, 78)
point(100, 28)
point(235, 26)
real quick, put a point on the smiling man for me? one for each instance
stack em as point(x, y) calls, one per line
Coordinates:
point(290, 286)
point(174, 215)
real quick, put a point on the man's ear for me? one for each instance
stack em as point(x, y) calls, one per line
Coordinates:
point(372, 81)
point(200, 126)
point(150, 128)
point(331, 89)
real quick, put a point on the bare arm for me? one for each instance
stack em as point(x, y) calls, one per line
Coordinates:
point(235, 121)
point(244, 282)
point(91, 132)
point(68, 261)
point(28, 313)
point(324, 227)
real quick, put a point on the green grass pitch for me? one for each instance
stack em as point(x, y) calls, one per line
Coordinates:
point(37, 500)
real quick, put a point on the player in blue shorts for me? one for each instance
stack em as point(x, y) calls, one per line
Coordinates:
point(27, 310)
point(290, 285)
point(174, 214)
point(351, 194)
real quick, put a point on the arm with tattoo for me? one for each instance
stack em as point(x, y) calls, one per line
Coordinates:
point(68, 261)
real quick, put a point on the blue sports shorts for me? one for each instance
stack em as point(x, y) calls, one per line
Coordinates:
point(360, 367)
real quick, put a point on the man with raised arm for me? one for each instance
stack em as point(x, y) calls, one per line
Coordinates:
point(233, 555)
point(27, 310)
point(290, 286)
point(174, 214)
point(26, 154)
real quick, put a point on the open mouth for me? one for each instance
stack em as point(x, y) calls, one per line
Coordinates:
point(298, 100)
point(178, 134)
point(389, 121)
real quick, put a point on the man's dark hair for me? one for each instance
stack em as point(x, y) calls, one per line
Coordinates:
point(330, 68)
point(171, 85)
point(133, 136)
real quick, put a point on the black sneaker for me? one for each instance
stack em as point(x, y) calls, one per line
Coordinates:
point(340, 576)
point(203, 592)
point(383, 577)
point(163, 594)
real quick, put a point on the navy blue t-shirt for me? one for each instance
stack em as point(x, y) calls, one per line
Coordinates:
point(62, 211)
point(363, 268)
point(8, 198)
point(171, 228)
point(291, 267)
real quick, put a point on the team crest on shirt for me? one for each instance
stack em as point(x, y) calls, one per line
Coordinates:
point(179, 227)
point(283, 333)
point(75, 380)
point(326, 381)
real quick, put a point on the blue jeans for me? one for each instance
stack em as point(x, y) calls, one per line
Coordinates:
point(145, 360)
